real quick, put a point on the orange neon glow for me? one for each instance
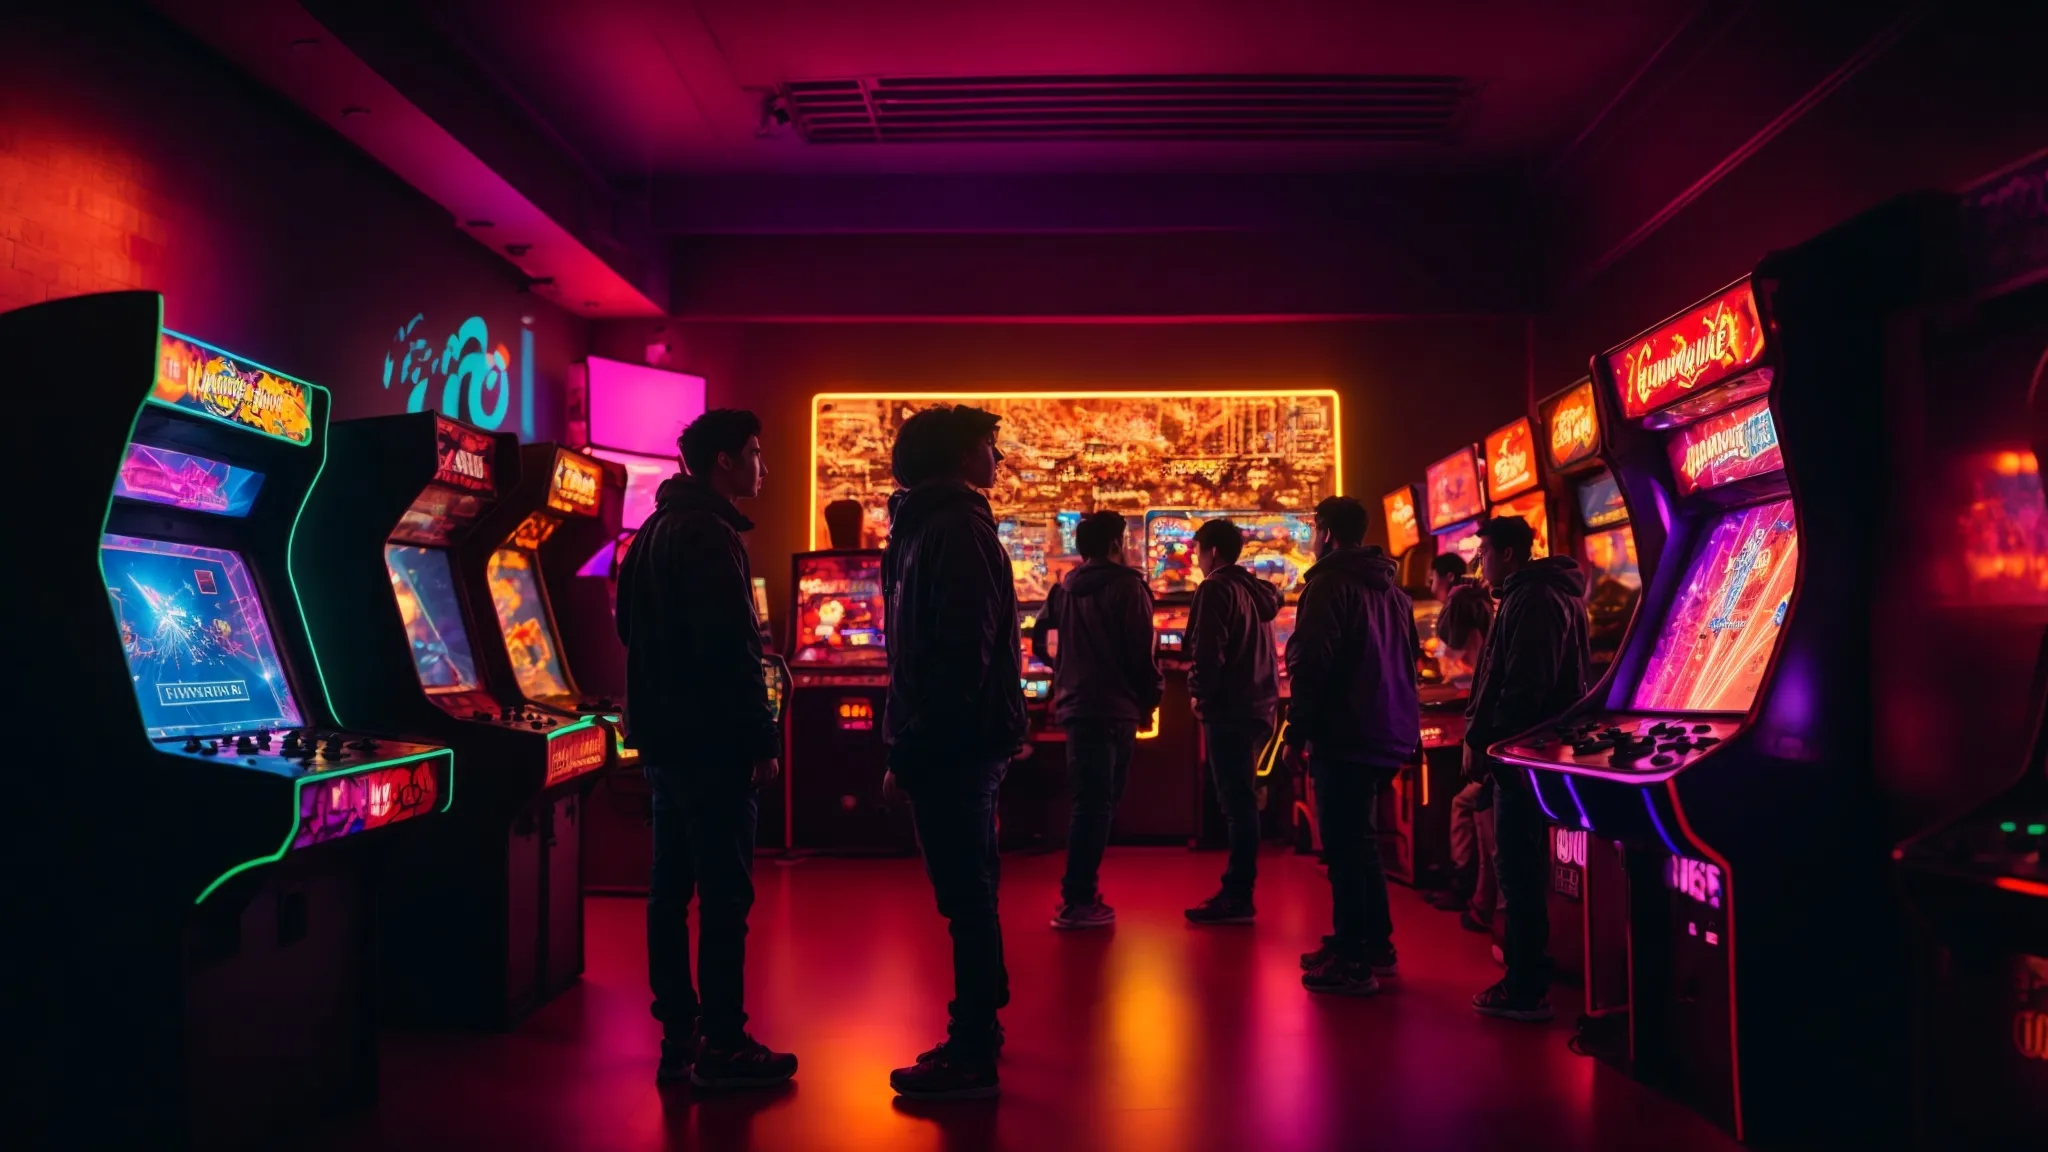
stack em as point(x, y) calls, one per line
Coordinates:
point(1403, 531)
point(1573, 424)
point(1690, 353)
point(1269, 449)
point(2001, 532)
point(1454, 490)
point(1511, 460)
point(577, 485)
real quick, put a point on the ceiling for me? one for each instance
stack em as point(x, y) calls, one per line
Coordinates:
point(642, 88)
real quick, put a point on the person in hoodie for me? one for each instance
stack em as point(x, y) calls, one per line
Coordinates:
point(954, 717)
point(697, 709)
point(1355, 712)
point(1232, 678)
point(1465, 615)
point(1533, 669)
point(1105, 684)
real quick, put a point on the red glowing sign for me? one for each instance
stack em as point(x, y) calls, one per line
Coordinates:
point(1511, 460)
point(1712, 343)
point(462, 456)
point(332, 808)
point(1726, 447)
point(1574, 426)
point(1403, 532)
point(1454, 492)
point(575, 752)
point(577, 485)
point(1536, 511)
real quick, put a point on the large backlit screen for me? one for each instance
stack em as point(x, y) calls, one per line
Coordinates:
point(530, 638)
point(424, 583)
point(1724, 622)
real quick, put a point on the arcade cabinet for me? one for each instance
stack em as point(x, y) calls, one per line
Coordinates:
point(396, 586)
point(1725, 747)
point(225, 882)
point(839, 686)
point(1964, 676)
point(1163, 794)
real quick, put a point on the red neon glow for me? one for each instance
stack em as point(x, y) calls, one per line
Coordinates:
point(839, 613)
point(2024, 887)
point(462, 456)
point(1534, 509)
point(1511, 460)
point(1574, 426)
point(1716, 341)
point(1454, 491)
point(2001, 533)
point(1403, 532)
point(1725, 620)
point(574, 753)
point(363, 801)
point(1726, 447)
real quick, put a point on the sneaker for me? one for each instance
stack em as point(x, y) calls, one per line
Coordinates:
point(1471, 923)
point(1382, 963)
point(1222, 909)
point(1095, 914)
point(676, 1058)
point(1321, 956)
point(942, 1046)
point(1499, 1001)
point(944, 1074)
point(748, 1064)
point(1341, 977)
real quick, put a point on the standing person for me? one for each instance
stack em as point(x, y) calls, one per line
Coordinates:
point(1534, 668)
point(955, 716)
point(1231, 677)
point(697, 709)
point(1463, 619)
point(1105, 683)
point(1355, 712)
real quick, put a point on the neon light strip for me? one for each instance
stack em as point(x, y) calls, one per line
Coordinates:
point(299, 786)
point(2024, 887)
point(1540, 802)
point(1657, 822)
point(1573, 790)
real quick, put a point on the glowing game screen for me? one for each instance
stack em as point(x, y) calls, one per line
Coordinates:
point(523, 616)
point(198, 644)
point(1403, 532)
point(838, 619)
point(1534, 509)
point(437, 514)
point(423, 580)
point(1573, 422)
point(1724, 621)
point(1276, 547)
point(2001, 534)
point(1600, 503)
point(1030, 544)
point(1511, 460)
point(1452, 487)
point(1725, 447)
point(164, 476)
point(1612, 557)
point(1027, 659)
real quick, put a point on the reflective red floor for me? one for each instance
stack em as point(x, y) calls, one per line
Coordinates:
point(1152, 1035)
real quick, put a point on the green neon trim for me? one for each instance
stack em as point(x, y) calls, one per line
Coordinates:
point(586, 722)
point(2008, 826)
point(291, 569)
point(239, 359)
point(299, 786)
point(2037, 829)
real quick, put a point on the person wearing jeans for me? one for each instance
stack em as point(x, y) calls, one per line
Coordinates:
point(1233, 680)
point(704, 830)
point(1096, 633)
point(1357, 714)
point(955, 815)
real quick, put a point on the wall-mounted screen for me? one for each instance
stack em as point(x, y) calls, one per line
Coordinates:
point(199, 646)
point(195, 483)
point(423, 580)
point(528, 626)
point(838, 615)
point(1724, 622)
point(1453, 489)
point(638, 409)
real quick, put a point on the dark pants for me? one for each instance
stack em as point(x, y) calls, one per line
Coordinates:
point(1234, 748)
point(1347, 811)
point(956, 831)
point(704, 821)
point(1522, 863)
point(1098, 764)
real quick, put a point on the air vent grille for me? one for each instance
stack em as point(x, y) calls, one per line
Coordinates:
point(1248, 108)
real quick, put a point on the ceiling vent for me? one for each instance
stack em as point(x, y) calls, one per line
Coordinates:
point(1193, 108)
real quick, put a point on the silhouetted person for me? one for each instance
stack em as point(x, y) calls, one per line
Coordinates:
point(1355, 713)
point(1464, 616)
point(1105, 685)
point(1232, 678)
point(697, 709)
point(955, 716)
point(843, 524)
point(1533, 669)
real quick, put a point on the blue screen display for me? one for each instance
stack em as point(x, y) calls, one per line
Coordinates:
point(424, 583)
point(198, 643)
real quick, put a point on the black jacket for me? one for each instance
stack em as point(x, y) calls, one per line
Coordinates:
point(954, 690)
point(694, 689)
point(1231, 673)
point(1535, 665)
point(1105, 668)
point(1351, 662)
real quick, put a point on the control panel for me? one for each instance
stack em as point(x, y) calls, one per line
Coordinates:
point(297, 751)
point(518, 716)
point(1610, 743)
point(2006, 842)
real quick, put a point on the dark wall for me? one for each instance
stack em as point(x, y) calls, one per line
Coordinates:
point(130, 157)
point(1411, 390)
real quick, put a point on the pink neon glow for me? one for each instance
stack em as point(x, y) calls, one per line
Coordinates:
point(164, 476)
point(644, 475)
point(1724, 623)
point(639, 409)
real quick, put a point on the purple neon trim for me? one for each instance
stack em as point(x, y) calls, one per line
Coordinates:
point(1573, 789)
point(1538, 789)
point(1658, 822)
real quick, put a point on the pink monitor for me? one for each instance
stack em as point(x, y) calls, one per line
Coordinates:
point(1724, 622)
point(644, 475)
point(638, 409)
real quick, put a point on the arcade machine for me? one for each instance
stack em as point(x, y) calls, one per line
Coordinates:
point(1726, 747)
point(395, 586)
point(1163, 795)
point(839, 685)
point(1970, 651)
point(223, 898)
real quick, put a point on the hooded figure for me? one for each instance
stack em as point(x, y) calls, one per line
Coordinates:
point(1105, 668)
point(1351, 662)
point(1537, 655)
point(1232, 674)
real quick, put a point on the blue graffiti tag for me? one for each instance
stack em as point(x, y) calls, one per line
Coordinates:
point(475, 377)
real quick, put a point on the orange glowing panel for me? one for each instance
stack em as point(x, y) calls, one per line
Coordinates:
point(577, 485)
point(1403, 531)
point(1454, 490)
point(576, 751)
point(1536, 511)
point(1710, 344)
point(1724, 623)
point(1511, 460)
point(1085, 451)
point(1573, 424)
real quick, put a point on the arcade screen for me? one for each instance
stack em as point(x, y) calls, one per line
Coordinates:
point(1452, 487)
point(1283, 628)
point(838, 617)
point(1724, 621)
point(1536, 510)
point(1276, 547)
point(1463, 539)
point(199, 647)
point(1031, 544)
point(165, 476)
point(1028, 659)
point(1426, 614)
point(1170, 627)
point(529, 632)
point(423, 580)
point(1600, 503)
point(758, 586)
point(437, 514)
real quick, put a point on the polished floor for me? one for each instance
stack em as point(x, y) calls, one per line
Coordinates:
point(1149, 1036)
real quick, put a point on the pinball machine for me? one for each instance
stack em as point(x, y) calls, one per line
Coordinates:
point(1725, 747)
point(839, 686)
point(222, 878)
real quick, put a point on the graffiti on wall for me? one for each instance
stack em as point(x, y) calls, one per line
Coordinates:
point(465, 376)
